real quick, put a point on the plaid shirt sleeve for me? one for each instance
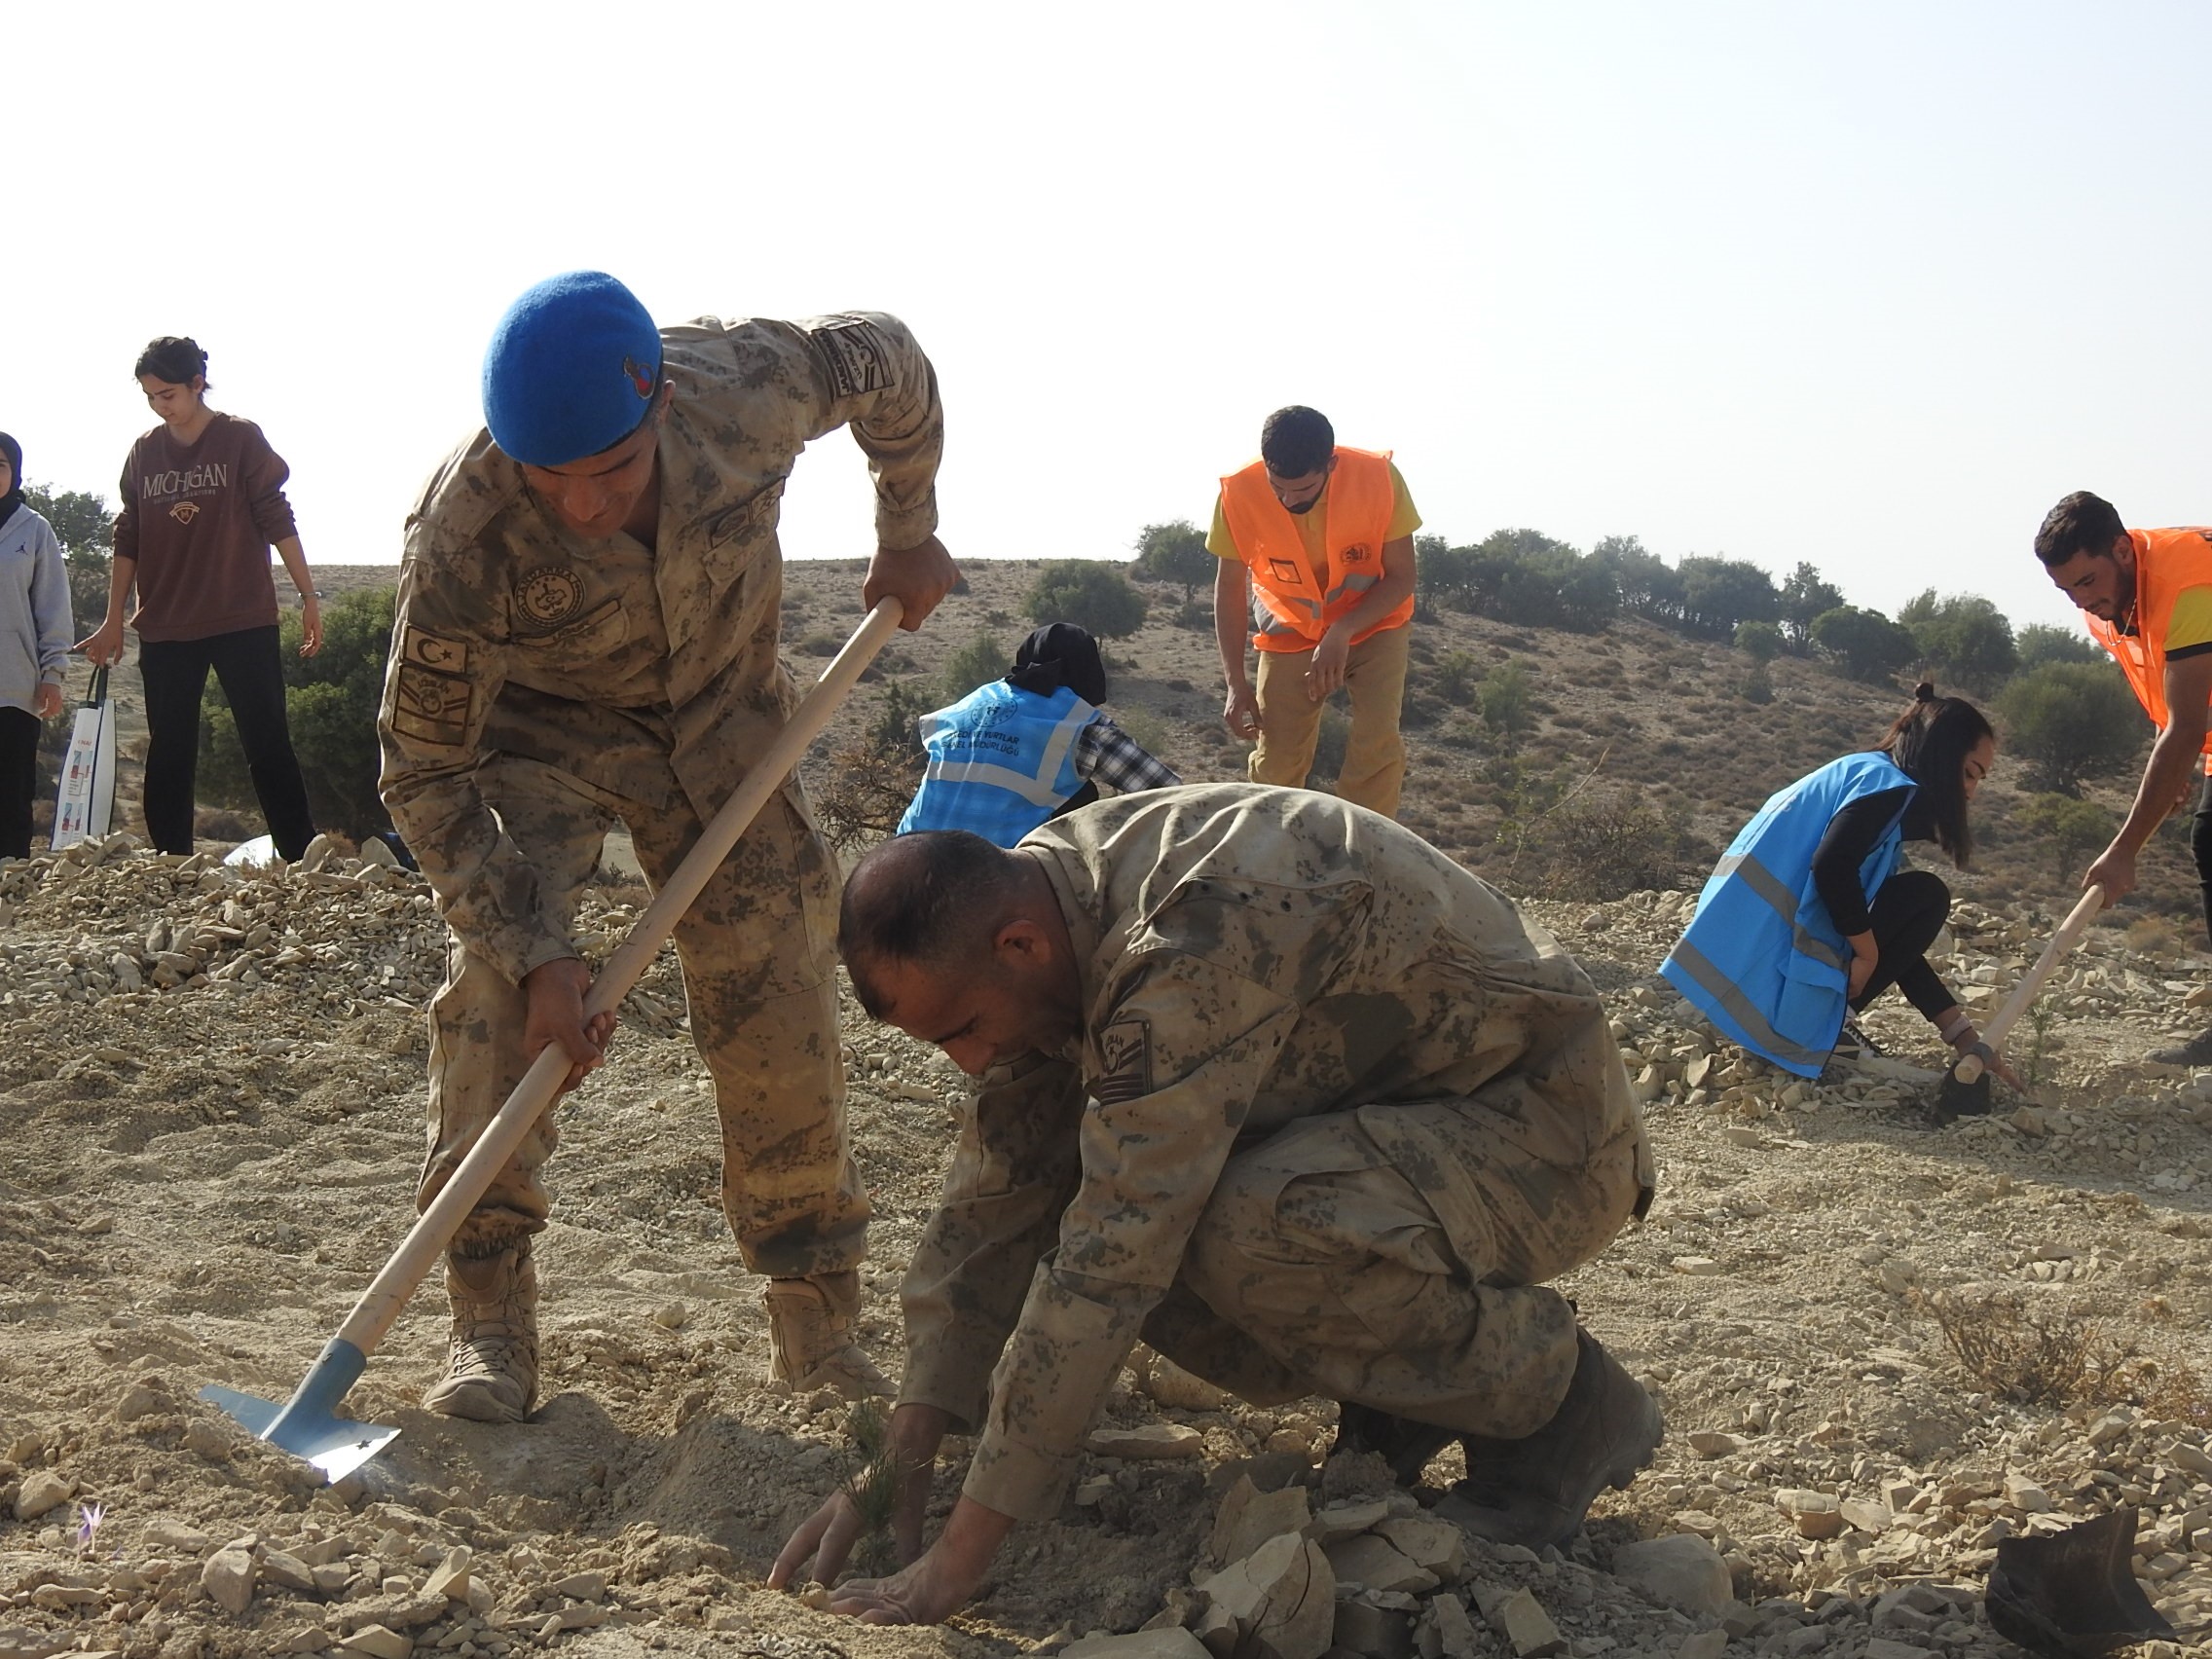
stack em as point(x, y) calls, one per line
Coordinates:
point(1108, 756)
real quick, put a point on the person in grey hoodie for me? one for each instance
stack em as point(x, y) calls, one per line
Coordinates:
point(34, 645)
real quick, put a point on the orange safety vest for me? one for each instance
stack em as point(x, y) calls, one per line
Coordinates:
point(1291, 617)
point(2166, 561)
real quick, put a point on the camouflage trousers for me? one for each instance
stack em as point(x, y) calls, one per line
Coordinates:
point(1373, 768)
point(759, 956)
point(1395, 1255)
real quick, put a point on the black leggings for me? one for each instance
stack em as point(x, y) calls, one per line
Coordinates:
point(252, 676)
point(1906, 915)
point(19, 779)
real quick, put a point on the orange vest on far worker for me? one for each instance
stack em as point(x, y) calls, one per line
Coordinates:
point(1292, 616)
point(2166, 561)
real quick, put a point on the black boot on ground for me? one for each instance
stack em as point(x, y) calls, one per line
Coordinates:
point(1535, 1491)
point(2196, 1051)
point(1405, 1445)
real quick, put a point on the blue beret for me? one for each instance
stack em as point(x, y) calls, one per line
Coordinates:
point(571, 369)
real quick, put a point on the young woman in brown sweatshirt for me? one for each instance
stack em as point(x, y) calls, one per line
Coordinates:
point(203, 501)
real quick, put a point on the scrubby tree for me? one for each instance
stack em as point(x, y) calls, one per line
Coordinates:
point(980, 659)
point(1806, 596)
point(1962, 637)
point(1647, 584)
point(2073, 829)
point(1089, 594)
point(330, 702)
point(1718, 594)
point(86, 529)
point(2040, 643)
point(1758, 640)
point(1439, 575)
point(1868, 644)
point(2073, 720)
point(1174, 552)
point(1506, 701)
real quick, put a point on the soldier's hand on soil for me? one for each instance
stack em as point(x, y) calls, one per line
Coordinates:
point(916, 577)
point(1326, 672)
point(828, 1536)
point(1241, 713)
point(556, 991)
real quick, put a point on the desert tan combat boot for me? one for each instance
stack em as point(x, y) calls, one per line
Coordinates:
point(810, 1327)
point(491, 1374)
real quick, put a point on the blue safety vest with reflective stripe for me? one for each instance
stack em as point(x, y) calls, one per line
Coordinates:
point(1763, 959)
point(1000, 760)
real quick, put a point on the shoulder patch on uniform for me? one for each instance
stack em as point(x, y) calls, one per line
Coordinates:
point(549, 594)
point(448, 656)
point(856, 355)
point(1124, 1057)
point(430, 706)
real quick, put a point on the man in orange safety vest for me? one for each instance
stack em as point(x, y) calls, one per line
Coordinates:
point(1317, 540)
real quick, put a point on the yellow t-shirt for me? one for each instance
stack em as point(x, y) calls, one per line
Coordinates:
point(1313, 526)
point(2188, 630)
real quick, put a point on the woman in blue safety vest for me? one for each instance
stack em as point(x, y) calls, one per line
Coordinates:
point(1017, 751)
point(1807, 918)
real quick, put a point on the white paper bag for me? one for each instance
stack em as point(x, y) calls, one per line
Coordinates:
point(87, 799)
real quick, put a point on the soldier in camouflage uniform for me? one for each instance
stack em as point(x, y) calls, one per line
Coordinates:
point(589, 637)
point(1276, 1085)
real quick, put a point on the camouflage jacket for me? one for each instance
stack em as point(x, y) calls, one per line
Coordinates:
point(649, 671)
point(1249, 956)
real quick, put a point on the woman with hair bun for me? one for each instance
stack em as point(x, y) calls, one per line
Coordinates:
point(1808, 917)
point(203, 502)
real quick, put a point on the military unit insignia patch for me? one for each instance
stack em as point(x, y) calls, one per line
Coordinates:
point(549, 594)
point(854, 351)
point(1125, 1058)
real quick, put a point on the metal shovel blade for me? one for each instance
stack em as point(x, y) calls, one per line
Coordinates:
point(1958, 1099)
point(305, 1425)
point(2072, 1595)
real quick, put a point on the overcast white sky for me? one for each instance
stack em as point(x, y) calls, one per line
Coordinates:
point(1869, 285)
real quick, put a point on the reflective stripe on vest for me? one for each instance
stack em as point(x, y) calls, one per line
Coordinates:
point(1287, 615)
point(2166, 561)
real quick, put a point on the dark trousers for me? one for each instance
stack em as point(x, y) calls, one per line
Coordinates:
point(19, 779)
point(1906, 915)
point(252, 676)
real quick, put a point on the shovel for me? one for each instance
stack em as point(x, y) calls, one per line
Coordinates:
point(2073, 1594)
point(307, 1424)
point(1965, 1086)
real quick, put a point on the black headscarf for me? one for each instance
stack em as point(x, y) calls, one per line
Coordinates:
point(1056, 656)
point(14, 498)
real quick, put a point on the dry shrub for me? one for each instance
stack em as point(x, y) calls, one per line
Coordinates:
point(2031, 1358)
point(1609, 844)
point(862, 792)
point(2152, 935)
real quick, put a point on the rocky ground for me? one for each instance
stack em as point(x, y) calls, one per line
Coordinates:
point(210, 1095)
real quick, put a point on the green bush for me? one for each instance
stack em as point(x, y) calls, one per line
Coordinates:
point(2040, 643)
point(1762, 642)
point(1963, 637)
point(981, 660)
point(1506, 701)
point(1175, 552)
point(1089, 594)
point(330, 702)
point(2073, 829)
point(1868, 644)
point(2073, 720)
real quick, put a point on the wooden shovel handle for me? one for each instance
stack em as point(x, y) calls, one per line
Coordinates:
point(2062, 942)
point(425, 1241)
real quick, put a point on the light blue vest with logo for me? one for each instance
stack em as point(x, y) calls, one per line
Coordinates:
point(1001, 760)
point(1763, 959)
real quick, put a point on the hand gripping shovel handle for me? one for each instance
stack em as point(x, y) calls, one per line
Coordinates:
point(2068, 935)
point(425, 1241)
